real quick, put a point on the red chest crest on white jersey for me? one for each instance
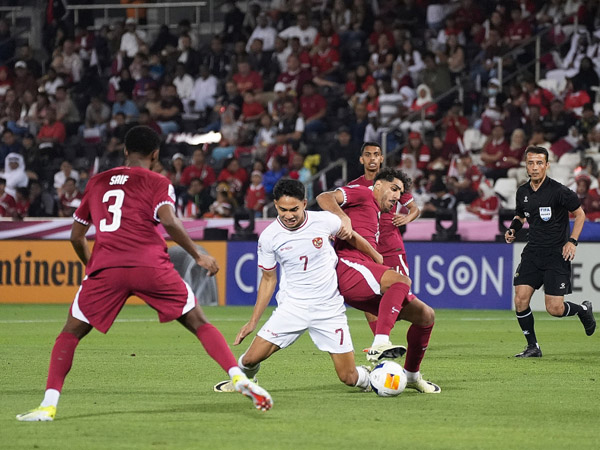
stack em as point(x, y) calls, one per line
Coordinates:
point(318, 242)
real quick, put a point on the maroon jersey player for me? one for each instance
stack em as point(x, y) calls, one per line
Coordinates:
point(376, 288)
point(391, 247)
point(130, 257)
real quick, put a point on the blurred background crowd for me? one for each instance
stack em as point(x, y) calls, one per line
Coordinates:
point(288, 87)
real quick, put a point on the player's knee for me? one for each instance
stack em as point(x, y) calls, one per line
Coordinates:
point(555, 310)
point(521, 302)
point(428, 316)
point(404, 279)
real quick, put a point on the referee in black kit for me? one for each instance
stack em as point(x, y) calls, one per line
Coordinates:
point(546, 259)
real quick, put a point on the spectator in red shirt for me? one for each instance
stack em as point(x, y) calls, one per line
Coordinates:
point(469, 177)
point(300, 52)
point(468, 14)
point(325, 61)
point(378, 30)
point(416, 148)
point(358, 82)
point(485, 206)
point(424, 101)
point(454, 124)
point(252, 110)
point(294, 77)
point(537, 95)
point(52, 133)
point(518, 30)
point(7, 202)
point(494, 153)
point(590, 200)
point(70, 199)
point(313, 107)
point(327, 31)
point(574, 100)
point(246, 79)
point(281, 149)
point(234, 175)
point(516, 149)
point(256, 195)
point(198, 169)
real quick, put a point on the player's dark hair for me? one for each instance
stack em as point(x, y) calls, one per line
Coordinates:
point(369, 144)
point(3, 181)
point(142, 139)
point(389, 174)
point(289, 188)
point(537, 150)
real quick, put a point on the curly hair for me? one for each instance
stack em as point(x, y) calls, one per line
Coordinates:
point(389, 174)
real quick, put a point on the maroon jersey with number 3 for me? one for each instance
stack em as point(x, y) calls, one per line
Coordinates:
point(122, 203)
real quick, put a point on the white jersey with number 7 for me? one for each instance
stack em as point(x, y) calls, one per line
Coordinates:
point(306, 257)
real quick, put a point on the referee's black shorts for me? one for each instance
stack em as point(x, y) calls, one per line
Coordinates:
point(544, 267)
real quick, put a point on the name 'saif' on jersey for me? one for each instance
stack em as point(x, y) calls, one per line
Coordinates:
point(306, 258)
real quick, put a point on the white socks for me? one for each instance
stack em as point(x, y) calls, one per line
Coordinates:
point(234, 371)
point(250, 371)
point(412, 376)
point(50, 398)
point(363, 378)
point(381, 339)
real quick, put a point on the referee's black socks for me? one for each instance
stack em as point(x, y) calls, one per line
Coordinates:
point(571, 309)
point(526, 321)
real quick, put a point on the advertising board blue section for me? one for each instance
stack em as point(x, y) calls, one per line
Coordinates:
point(462, 275)
point(444, 275)
point(242, 274)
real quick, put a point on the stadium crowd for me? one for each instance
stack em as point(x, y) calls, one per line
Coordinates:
point(294, 85)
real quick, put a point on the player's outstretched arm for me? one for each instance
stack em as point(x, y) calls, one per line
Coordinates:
point(266, 288)
point(79, 241)
point(413, 213)
point(331, 201)
point(175, 229)
point(360, 243)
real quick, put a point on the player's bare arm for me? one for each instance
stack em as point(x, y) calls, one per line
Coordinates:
point(568, 250)
point(175, 229)
point(331, 201)
point(515, 226)
point(413, 213)
point(79, 242)
point(266, 288)
point(360, 243)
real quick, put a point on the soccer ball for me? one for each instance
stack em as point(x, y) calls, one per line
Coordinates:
point(388, 379)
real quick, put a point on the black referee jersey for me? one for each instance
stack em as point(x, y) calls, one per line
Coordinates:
point(547, 212)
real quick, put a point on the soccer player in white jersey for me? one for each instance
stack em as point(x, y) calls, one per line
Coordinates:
point(308, 296)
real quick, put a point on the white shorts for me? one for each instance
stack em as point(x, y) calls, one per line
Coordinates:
point(326, 325)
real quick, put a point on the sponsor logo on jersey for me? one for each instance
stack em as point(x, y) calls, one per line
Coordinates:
point(318, 242)
point(525, 200)
point(526, 214)
point(545, 213)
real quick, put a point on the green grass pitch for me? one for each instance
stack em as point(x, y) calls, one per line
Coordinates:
point(149, 386)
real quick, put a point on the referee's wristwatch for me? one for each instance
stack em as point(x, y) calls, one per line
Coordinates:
point(573, 241)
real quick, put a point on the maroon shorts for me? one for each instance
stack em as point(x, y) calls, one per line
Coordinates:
point(102, 294)
point(360, 284)
point(399, 263)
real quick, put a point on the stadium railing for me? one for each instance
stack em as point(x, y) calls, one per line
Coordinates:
point(165, 7)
